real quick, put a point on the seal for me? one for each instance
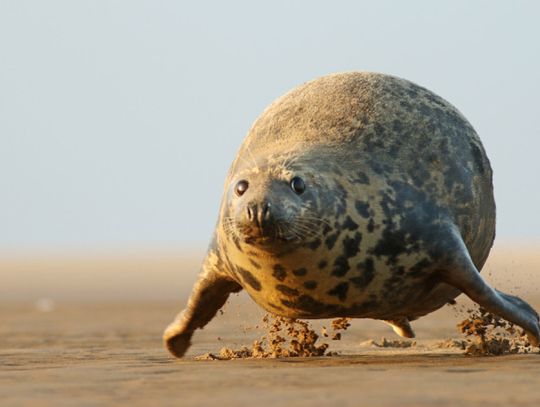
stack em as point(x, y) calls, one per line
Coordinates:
point(354, 195)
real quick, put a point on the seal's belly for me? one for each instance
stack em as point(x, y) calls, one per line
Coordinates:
point(311, 286)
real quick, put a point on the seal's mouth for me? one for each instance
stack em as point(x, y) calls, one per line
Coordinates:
point(275, 233)
point(266, 236)
point(269, 240)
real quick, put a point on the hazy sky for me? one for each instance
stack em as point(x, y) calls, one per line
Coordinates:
point(119, 119)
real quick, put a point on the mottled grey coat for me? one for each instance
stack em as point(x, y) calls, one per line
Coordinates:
point(397, 217)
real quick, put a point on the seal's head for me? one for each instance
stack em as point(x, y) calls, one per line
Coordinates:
point(273, 203)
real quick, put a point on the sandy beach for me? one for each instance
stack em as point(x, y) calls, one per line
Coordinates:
point(85, 329)
point(336, 157)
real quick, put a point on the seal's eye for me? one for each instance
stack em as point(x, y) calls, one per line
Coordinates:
point(298, 185)
point(241, 187)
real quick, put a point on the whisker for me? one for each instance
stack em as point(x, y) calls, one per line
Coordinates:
point(308, 222)
point(302, 228)
point(313, 218)
point(301, 231)
point(289, 160)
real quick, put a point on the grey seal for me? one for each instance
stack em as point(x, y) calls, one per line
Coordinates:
point(354, 195)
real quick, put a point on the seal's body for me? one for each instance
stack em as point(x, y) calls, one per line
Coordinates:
point(354, 195)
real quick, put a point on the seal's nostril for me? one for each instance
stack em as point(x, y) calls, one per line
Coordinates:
point(266, 211)
point(249, 213)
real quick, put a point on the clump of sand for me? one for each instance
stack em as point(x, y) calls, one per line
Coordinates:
point(285, 337)
point(398, 343)
point(489, 335)
point(385, 343)
point(452, 343)
point(338, 324)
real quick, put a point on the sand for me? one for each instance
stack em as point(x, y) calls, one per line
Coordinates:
point(86, 330)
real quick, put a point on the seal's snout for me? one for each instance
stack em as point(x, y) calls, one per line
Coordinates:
point(259, 214)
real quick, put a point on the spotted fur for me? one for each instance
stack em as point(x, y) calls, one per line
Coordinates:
point(387, 163)
point(398, 186)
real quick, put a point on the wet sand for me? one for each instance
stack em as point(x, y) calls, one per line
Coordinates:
point(86, 330)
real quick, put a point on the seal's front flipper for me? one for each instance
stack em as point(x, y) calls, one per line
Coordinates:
point(402, 327)
point(208, 296)
point(462, 274)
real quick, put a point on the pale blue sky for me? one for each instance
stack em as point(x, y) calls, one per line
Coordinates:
point(118, 119)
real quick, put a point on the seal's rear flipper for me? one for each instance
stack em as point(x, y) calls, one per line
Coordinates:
point(401, 327)
point(461, 273)
point(209, 295)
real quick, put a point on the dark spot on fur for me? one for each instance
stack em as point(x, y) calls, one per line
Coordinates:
point(366, 269)
point(326, 229)
point(367, 266)
point(412, 91)
point(406, 105)
point(419, 267)
point(397, 126)
point(287, 290)
point(314, 245)
point(393, 150)
point(300, 272)
point(310, 284)
point(362, 208)
point(391, 245)
point(349, 224)
point(279, 272)
point(310, 306)
point(425, 109)
point(340, 209)
point(331, 241)
point(255, 264)
point(322, 264)
point(275, 306)
point(392, 288)
point(419, 176)
point(371, 225)
point(362, 178)
point(341, 266)
point(339, 190)
point(351, 246)
point(249, 278)
point(340, 199)
point(340, 291)
point(379, 129)
point(236, 242)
